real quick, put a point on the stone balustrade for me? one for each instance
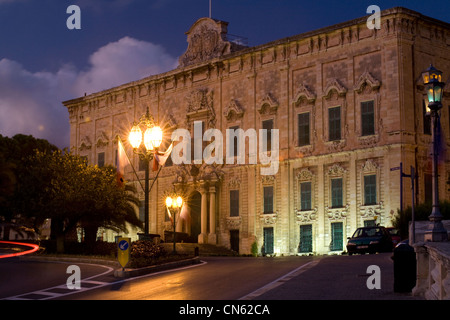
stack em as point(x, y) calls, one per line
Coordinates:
point(433, 270)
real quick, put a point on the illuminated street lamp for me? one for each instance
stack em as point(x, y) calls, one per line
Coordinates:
point(432, 80)
point(146, 145)
point(175, 204)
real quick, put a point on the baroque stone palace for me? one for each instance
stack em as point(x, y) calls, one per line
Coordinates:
point(348, 102)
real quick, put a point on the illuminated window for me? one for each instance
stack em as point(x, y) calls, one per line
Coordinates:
point(336, 193)
point(268, 199)
point(370, 190)
point(305, 196)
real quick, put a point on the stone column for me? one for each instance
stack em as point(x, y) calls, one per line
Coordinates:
point(212, 237)
point(203, 236)
point(422, 271)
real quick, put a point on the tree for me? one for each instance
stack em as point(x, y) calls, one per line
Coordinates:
point(63, 187)
point(421, 213)
point(13, 154)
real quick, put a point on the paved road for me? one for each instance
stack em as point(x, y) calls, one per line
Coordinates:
point(220, 278)
point(339, 278)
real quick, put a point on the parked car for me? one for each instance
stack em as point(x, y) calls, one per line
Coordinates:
point(371, 240)
point(395, 235)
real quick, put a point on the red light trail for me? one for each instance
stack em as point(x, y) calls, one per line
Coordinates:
point(34, 247)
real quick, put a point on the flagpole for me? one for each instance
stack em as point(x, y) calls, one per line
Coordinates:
point(157, 174)
point(131, 164)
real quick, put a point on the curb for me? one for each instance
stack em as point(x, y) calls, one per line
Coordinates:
point(129, 273)
point(112, 263)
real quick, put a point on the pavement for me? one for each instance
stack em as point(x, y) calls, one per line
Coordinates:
point(338, 278)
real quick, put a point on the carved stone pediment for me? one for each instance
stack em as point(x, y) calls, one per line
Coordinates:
point(207, 39)
point(366, 79)
point(268, 218)
point(304, 94)
point(233, 111)
point(200, 107)
point(334, 85)
point(306, 216)
point(268, 105)
point(102, 140)
point(85, 144)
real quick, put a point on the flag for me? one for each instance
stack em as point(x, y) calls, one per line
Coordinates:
point(161, 158)
point(169, 214)
point(122, 160)
point(185, 212)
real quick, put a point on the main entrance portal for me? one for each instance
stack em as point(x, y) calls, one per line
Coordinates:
point(195, 221)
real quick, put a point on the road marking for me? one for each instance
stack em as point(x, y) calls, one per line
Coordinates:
point(280, 280)
point(62, 290)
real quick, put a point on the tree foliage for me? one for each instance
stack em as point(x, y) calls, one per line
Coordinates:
point(56, 184)
point(421, 213)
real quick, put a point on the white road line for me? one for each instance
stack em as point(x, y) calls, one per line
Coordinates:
point(280, 280)
point(52, 295)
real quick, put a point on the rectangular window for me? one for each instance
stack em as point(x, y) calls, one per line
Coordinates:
point(268, 241)
point(101, 159)
point(336, 193)
point(305, 196)
point(268, 125)
point(370, 190)
point(367, 118)
point(334, 122)
point(306, 243)
point(268, 199)
point(303, 129)
point(337, 236)
point(234, 203)
point(198, 129)
point(233, 152)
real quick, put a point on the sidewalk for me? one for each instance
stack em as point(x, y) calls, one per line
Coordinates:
point(341, 278)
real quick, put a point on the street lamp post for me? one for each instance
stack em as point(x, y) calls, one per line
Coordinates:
point(174, 204)
point(432, 80)
point(146, 145)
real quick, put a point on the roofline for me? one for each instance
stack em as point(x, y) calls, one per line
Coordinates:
point(308, 34)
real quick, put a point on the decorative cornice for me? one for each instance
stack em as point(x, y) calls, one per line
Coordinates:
point(336, 170)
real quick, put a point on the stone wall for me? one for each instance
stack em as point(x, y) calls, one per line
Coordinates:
point(433, 270)
point(339, 66)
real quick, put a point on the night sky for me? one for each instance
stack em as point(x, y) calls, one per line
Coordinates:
point(43, 63)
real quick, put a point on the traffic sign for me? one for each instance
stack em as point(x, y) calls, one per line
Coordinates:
point(123, 251)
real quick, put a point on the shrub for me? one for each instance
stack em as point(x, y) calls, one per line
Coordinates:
point(421, 213)
point(144, 253)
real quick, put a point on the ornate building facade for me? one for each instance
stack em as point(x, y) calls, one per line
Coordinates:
point(348, 105)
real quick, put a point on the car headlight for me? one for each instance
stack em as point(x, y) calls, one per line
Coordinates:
point(351, 244)
point(374, 242)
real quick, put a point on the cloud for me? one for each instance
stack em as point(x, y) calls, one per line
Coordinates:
point(123, 61)
point(30, 103)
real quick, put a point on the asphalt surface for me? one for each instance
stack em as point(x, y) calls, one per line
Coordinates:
point(340, 278)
